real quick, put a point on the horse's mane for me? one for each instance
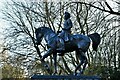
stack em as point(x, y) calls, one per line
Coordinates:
point(46, 28)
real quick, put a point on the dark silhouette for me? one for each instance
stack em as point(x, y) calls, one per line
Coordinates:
point(79, 43)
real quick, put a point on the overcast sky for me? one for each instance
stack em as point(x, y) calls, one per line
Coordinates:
point(3, 24)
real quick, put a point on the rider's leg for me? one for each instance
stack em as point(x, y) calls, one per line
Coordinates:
point(61, 48)
point(66, 37)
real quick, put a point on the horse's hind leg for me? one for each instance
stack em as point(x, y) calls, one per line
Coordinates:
point(79, 65)
point(84, 65)
point(83, 59)
point(55, 62)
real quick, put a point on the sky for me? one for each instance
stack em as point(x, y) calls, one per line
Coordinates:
point(4, 24)
point(1, 24)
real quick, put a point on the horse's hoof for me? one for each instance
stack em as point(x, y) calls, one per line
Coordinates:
point(81, 72)
point(74, 74)
point(78, 74)
point(55, 73)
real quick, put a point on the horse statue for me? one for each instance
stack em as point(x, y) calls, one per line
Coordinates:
point(78, 43)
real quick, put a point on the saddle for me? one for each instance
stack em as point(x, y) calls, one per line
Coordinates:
point(62, 40)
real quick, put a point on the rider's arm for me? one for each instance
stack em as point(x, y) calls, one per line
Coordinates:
point(68, 25)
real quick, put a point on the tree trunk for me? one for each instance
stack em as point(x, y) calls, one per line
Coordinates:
point(118, 42)
point(118, 48)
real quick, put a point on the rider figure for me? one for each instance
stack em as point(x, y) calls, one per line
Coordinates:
point(66, 31)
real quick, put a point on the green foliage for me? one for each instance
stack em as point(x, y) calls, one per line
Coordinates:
point(115, 75)
point(103, 71)
point(9, 71)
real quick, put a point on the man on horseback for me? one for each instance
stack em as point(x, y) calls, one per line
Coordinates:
point(66, 31)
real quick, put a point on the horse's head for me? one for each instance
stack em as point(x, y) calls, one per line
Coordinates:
point(39, 35)
point(43, 32)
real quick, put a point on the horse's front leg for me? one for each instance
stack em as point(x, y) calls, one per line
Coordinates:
point(55, 62)
point(49, 52)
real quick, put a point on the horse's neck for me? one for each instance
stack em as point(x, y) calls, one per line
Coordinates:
point(48, 36)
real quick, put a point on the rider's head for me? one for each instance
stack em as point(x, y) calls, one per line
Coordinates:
point(67, 15)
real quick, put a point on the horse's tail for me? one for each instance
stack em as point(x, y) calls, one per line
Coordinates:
point(95, 40)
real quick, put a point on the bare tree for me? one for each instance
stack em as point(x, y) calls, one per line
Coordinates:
point(86, 17)
point(118, 42)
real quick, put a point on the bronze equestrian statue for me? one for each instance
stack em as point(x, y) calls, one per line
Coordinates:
point(66, 42)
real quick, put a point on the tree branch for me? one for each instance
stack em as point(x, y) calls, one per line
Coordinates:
point(109, 7)
point(111, 12)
